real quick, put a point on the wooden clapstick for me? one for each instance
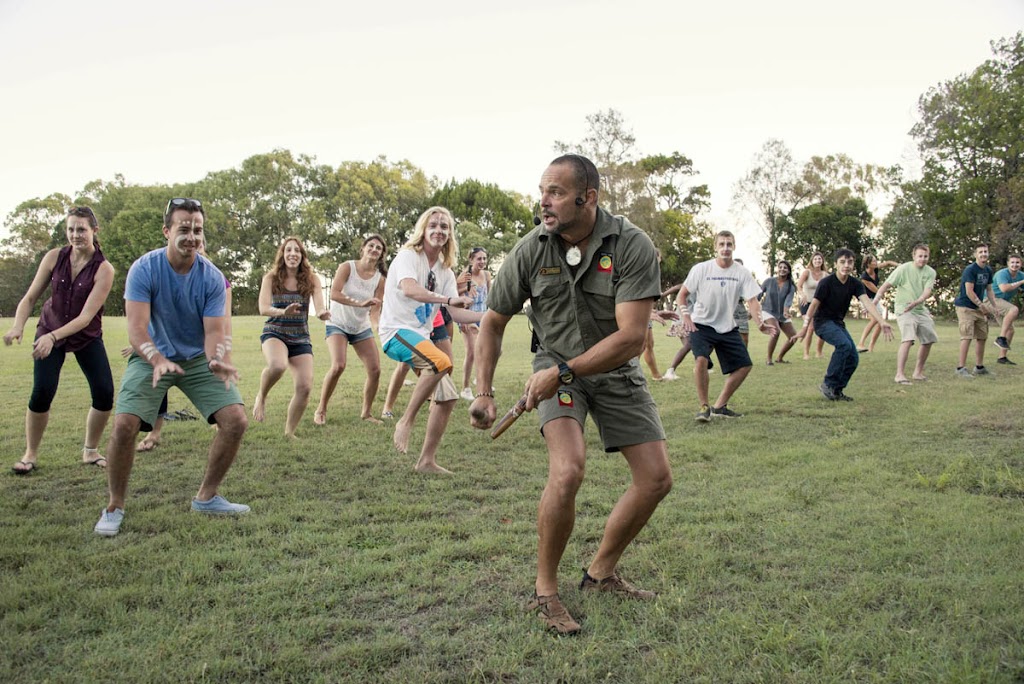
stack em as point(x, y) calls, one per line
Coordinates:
point(509, 418)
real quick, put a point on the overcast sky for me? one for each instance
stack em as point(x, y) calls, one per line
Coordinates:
point(167, 92)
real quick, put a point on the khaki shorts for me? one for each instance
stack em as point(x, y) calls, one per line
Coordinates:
point(139, 398)
point(917, 327)
point(973, 323)
point(1003, 306)
point(618, 401)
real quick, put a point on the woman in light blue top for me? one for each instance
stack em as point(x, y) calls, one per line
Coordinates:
point(477, 286)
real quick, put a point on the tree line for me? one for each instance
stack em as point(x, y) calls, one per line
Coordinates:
point(970, 136)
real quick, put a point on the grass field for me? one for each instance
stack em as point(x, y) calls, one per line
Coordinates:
point(809, 541)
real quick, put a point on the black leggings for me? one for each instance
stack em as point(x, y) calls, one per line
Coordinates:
point(92, 359)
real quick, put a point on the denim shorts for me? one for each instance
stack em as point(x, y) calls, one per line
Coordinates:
point(352, 338)
point(294, 349)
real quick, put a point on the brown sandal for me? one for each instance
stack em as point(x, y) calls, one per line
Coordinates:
point(553, 614)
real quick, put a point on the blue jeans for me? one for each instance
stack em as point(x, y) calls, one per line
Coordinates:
point(845, 357)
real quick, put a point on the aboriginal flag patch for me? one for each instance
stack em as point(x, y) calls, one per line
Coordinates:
point(564, 398)
point(604, 263)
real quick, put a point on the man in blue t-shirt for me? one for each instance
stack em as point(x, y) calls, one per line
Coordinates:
point(827, 310)
point(973, 306)
point(1006, 284)
point(174, 303)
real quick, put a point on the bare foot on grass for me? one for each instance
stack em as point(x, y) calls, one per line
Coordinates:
point(258, 413)
point(319, 418)
point(371, 419)
point(432, 469)
point(148, 443)
point(402, 433)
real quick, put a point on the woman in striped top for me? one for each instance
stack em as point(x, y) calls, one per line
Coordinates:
point(284, 296)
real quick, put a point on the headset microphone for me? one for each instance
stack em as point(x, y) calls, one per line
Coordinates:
point(580, 201)
point(536, 220)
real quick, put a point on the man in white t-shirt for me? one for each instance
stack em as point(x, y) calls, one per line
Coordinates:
point(420, 279)
point(716, 286)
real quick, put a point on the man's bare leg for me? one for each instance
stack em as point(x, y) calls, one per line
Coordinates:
point(424, 389)
point(556, 514)
point(922, 357)
point(652, 481)
point(965, 346)
point(121, 457)
point(732, 383)
point(232, 424)
point(701, 378)
point(437, 422)
point(902, 354)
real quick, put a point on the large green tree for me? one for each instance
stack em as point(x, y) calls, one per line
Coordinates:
point(487, 216)
point(776, 187)
point(970, 135)
point(824, 227)
point(380, 197)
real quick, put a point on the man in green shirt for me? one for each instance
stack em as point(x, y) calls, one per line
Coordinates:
point(591, 279)
point(913, 281)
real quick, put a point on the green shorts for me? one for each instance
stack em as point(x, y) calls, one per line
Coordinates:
point(619, 402)
point(139, 398)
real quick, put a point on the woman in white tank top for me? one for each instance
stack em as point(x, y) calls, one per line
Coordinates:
point(356, 294)
point(807, 283)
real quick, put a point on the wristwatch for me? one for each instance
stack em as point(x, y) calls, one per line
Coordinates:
point(565, 374)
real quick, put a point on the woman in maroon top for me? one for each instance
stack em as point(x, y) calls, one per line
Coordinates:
point(80, 278)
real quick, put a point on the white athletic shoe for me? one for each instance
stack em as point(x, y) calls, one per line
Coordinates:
point(670, 374)
point(467, 394)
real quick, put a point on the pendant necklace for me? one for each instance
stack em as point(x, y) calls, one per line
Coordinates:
point(573, 256)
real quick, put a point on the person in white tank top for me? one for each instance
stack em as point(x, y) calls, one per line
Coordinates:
point(356, 294)
point(807, 284)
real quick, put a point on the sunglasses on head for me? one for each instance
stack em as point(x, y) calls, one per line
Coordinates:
point(183, 203)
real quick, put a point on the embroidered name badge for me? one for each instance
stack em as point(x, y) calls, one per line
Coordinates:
point(564, 398)
point(604, 263)
point(550, 270)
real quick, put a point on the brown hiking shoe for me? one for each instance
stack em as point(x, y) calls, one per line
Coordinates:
point(554, 615)
point(616, 585)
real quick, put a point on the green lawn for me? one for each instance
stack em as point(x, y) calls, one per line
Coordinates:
point(878, 541)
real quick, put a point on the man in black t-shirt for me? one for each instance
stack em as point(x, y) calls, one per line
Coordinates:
point(827, 311)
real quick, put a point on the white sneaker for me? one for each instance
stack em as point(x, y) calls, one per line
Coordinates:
point(467, 394)
point(110, 522)
point(670, 374)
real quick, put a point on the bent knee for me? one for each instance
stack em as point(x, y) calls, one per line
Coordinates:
point(232, 419)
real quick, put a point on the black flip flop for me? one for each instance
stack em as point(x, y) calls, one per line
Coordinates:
point(31, 466)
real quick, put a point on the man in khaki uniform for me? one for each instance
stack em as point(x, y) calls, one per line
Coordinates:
point(591, 279)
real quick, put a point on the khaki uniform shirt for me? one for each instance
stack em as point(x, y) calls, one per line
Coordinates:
point(574, 308)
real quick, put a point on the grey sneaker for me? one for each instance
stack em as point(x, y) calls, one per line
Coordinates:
point(963, 373)
point(724, 412)
point(1002, 343)
point(704, 415)
point(842, 397)
point(981, 370)
point(218, 505)
point(828, 392)
point(110, 523)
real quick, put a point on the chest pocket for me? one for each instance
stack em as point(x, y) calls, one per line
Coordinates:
point(549, 300)
point(599, 290)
